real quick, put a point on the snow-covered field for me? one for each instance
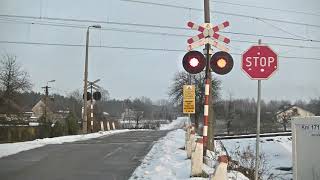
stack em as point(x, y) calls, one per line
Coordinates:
point(277, 150)
point(13, 148)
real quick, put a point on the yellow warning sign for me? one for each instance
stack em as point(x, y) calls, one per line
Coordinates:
point(189, 99)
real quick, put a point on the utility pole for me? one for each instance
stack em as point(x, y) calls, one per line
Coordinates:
point(85, 86)
point(46, 92)
point(85, 95)
point(208, 123)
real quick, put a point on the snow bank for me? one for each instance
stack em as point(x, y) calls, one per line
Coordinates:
point(175, 124)
point(13, 148)
point(167, 161)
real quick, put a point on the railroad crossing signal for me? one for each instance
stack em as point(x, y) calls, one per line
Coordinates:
point(88, 96)
point(221, 63)
point(194, 62)
point(208, 35)
point(259, 62)
point(96, 95)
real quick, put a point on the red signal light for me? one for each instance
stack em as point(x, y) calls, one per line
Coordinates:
point(193, 62)
point(221, 62)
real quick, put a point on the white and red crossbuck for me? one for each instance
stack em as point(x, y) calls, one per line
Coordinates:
point(208, 35)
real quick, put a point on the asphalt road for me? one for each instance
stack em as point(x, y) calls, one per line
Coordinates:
point(113, 157)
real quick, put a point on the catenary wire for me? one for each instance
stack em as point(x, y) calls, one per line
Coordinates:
point(129, 48)
point(152, 32)
point(158, 33)
point(267, 8)
point(154, 26)
point(222, 12)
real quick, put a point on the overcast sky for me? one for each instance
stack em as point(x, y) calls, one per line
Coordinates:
point(129, 73)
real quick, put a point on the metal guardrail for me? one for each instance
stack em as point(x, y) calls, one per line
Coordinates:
point(242, 136)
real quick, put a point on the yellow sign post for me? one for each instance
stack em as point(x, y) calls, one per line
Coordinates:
point(189, 99)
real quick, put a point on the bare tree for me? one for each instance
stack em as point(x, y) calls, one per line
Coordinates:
point(13, 78)
point(76, 95)
point(105, 96)
point(138, 116)
point(183, 78)
point(287, 116)
point(243, 160)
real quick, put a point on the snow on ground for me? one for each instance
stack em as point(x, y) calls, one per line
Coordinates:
point(277, 150)
point(175, 124)
point(13, 148)
point(167, 161)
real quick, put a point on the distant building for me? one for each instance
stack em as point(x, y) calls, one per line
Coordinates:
point(292, 111)
point(52, 111)
point(128, 115)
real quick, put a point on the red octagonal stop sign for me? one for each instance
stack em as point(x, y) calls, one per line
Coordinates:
point(259, 62)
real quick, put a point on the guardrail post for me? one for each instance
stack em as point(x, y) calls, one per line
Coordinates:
point(221, 172)
point(113, 126)
point(187, 135)
point(101, 126)
point(108, 126)
point(190, 144)
point(197, 159)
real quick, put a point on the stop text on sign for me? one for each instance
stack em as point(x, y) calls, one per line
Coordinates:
point(259, 61)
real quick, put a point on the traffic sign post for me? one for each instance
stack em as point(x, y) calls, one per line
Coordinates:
point(189, 99)
point(259, 63)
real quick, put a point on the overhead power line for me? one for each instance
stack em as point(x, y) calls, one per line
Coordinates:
point(44, 23)
point(133, 24)
point(93, 21)
point(281, 29)
point(266, 8)
point(129, 48)
point(96, 46)
point(148, 32)
point(222, 12)
point(277, 44)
